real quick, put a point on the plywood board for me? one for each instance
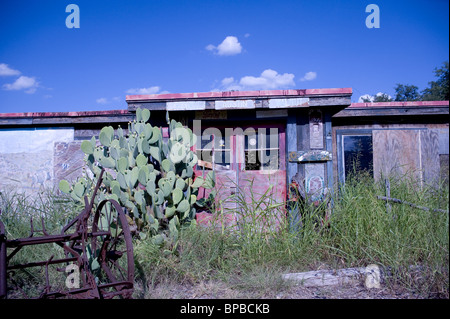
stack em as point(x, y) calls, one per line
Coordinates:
point(429, 152)
point(396, 153)
point(403, 152)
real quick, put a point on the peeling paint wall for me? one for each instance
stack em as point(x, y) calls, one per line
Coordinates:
point(27, 158)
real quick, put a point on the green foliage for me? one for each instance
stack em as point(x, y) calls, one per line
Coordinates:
point(438, 90)
point(153, 179)
point(407, 93)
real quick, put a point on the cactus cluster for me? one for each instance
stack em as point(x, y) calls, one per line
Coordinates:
point(153, 179)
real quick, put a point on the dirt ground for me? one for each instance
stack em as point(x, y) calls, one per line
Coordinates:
point(218, 290)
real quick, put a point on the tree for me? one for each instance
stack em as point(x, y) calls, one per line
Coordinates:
point(438, 90)
point(407, 93)
point(382, 97)
point(379, 97)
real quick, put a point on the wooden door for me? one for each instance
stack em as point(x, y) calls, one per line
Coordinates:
point(248, 161)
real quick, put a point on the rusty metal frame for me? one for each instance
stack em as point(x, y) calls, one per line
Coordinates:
point(75, 249)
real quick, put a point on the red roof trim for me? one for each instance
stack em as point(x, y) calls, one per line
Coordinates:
point(400, 104)
point(64, 114)
point(239, 94)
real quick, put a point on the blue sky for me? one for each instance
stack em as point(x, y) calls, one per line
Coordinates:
point(131, 47)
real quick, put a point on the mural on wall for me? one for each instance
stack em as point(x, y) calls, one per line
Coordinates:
point(26, 158)
point(68, 161)
point(315, 181)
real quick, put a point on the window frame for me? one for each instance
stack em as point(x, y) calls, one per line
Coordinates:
point(340, 134)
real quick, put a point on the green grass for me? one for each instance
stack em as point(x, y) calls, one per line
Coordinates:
point(358, 232)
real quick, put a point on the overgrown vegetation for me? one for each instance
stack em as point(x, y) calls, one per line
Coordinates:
point(151, 177)
point(412, 245)
point(359, 232)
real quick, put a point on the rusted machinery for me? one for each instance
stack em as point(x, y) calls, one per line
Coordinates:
point(98, 254)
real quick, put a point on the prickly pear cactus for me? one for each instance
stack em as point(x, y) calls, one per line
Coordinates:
point(152, 179)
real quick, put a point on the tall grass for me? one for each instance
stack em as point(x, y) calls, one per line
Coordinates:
point(363, 231)
point(19, 213)
point(410, 244)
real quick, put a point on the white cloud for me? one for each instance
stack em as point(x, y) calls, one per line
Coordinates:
point(102, 100)
point(210, 47)
point(366, 97)
point(229, 46)
point(227, 81)
point(309, 76)
point(268, 80)
point(247, 35)
point(29, 84)
point(142, 91)
point(371, 98)
point(5, 70)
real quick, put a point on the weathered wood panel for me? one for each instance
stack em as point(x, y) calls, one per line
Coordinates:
point(309, 156)
point(349, 112)
point(396, 152)
point(429, 151)
point(290, 102)
point(291, 141)
point(326, 101)
point(234, 104)
point(186, 105)
point(226, 186)
point(82, 119)
point(157, 106)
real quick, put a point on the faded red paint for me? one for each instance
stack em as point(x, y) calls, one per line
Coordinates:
point(64, 114)
point(239, 94)
point(252, 185)
point(400, 104)
point(218, 221)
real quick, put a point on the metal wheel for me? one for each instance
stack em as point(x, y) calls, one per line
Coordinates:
point(111, 258)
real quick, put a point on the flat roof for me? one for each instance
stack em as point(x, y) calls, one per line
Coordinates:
point(239, 94)
point(273, 99)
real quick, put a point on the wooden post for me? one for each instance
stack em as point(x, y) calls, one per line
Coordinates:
point(388, 195)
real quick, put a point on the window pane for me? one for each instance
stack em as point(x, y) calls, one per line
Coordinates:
point(251, 142)
point(358, 154)
point(269, 159)
point(252, 162)
point(205, 155)
point(222, 158)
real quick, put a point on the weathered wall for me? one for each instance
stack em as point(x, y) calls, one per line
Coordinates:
point(28, 158)
point(421, 149)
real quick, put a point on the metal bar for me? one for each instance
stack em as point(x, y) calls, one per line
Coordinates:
point(50, 239)
point(42, 263)
point(399, 201)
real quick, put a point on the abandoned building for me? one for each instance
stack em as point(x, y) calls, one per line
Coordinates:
point(267, 138)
